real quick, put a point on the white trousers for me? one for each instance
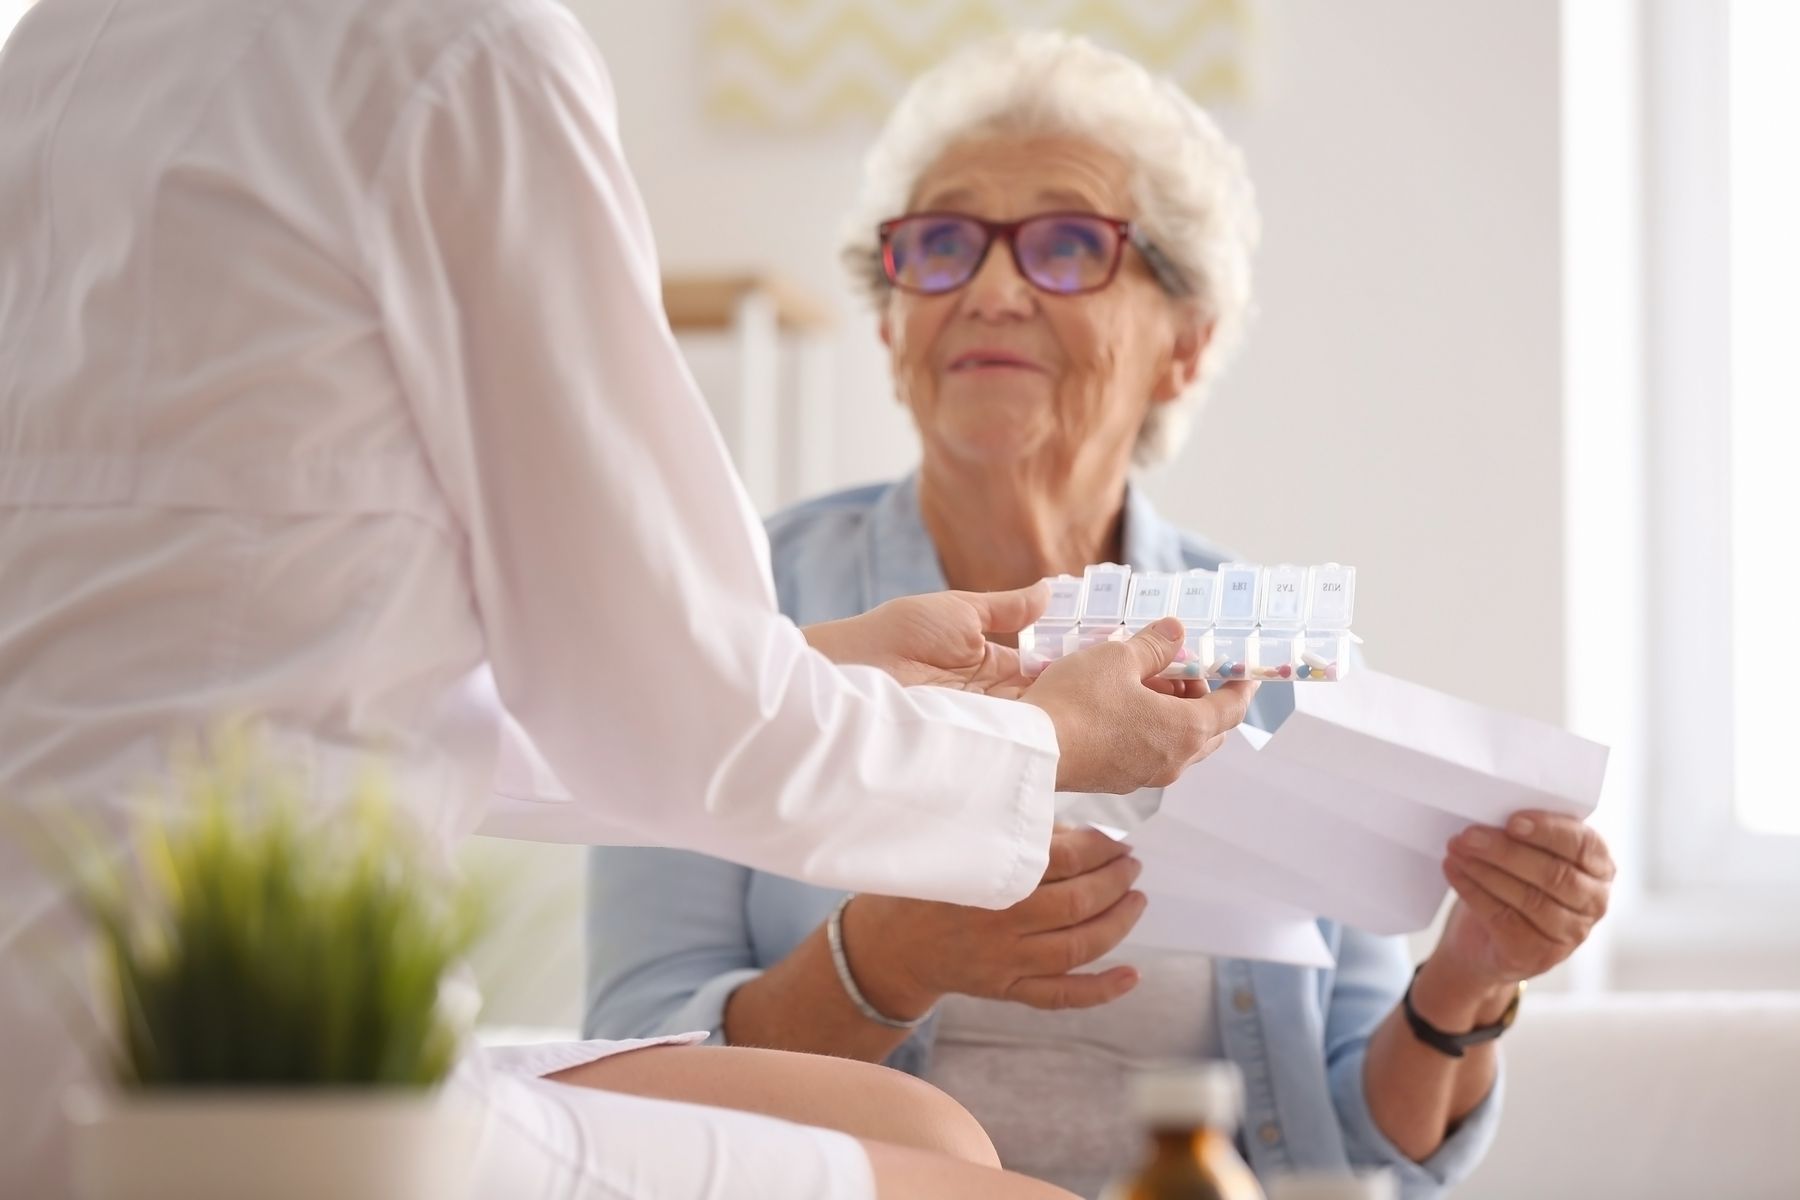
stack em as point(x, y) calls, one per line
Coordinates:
point(553, 1141)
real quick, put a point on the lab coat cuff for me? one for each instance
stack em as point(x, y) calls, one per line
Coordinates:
point(1033, 819)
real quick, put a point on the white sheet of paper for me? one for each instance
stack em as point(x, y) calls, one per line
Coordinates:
point(1345, 811)
point(1204, 912)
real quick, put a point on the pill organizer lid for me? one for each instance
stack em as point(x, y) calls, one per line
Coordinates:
point(1103, 596)
point(1065, 599)
point(1333, 597)
point(1284, 597)
point(1197, 597)
point(1151, 596)
point(1240, 593)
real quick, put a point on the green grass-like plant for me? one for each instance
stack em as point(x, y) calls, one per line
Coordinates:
point(250, 942)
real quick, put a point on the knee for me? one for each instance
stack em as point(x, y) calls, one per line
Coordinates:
point(925, 1117)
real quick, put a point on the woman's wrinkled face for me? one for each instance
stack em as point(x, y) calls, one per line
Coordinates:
point(997, 371)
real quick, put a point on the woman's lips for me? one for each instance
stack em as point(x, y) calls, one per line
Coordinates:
point(992, 360)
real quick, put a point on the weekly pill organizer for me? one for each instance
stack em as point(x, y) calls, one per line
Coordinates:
point(1243, 621)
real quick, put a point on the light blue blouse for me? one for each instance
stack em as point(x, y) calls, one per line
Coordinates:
point(672, 934)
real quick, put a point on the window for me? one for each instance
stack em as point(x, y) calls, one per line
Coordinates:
point(1722, 187)
point(1764, 188)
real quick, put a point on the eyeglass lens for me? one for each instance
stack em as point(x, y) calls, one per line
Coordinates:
point(1060, 253)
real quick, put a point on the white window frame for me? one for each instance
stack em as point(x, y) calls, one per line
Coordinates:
point(1700, 901)
point(1698, 841)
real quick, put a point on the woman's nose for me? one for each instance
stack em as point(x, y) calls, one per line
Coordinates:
point(998, 291)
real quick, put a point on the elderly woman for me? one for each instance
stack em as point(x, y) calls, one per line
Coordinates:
point(1058, 247)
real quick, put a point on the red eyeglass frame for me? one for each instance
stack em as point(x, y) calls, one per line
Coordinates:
point(998, 230)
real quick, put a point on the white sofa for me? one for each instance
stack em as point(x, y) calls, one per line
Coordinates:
point(1650, 1096)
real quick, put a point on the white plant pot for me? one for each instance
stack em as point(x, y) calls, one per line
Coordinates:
point(271, 1145)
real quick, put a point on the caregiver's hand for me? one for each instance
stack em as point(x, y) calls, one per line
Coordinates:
point(919, 951)
point(1529, 895)
point(939, 638)
point(1119, 727)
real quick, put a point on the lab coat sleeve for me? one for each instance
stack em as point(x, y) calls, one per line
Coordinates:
point(621, 577)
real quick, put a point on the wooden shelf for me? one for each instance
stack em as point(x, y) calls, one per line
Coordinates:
point(710, 302)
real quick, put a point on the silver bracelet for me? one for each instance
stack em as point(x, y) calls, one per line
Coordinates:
point(834, 934)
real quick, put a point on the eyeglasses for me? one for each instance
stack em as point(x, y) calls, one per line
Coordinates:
point(1064, 253)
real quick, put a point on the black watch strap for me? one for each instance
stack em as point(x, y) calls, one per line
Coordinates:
point(1453, 1044)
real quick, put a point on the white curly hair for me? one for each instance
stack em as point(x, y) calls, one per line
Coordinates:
point(1189, 183)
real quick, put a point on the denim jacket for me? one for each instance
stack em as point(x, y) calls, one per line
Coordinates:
point(672, 934)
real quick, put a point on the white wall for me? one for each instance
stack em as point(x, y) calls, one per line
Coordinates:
point(1397, 406)
point(10, 13)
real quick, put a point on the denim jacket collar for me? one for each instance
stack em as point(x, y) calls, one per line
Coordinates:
point(899, 558)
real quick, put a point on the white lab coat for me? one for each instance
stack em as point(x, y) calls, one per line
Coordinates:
point(333, 369)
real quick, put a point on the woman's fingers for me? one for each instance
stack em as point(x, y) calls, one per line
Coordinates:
point(1071, 901)
point(1510, 905)
point(1558, 879)
point(1062, 951)
point(1007, 612)
point(1501, 918)
point(1074, 991)
point(1566, 838)
point(1077, 851)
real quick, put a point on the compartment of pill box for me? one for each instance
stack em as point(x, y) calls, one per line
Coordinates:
point(1324, 656)
point(1195, 657)
point(1092, 635)
point(1042, 644)
point(1230, 653)
point(1274, 654)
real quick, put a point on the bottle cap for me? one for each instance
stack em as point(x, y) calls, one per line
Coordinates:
point(1188, 1094)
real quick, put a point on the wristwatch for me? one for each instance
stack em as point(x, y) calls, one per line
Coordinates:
point(1453, 1044)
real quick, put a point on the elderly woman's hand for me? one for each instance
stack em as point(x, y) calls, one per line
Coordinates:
point(1530, 895)
point(907, 954)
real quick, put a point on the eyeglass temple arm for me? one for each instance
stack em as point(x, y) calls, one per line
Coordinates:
point(1161, 265)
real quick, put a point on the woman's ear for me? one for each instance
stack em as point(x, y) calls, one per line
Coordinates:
point(1191, 338)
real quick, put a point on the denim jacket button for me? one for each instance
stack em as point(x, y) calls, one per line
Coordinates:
point(1243, 1000)
point(1270, 1133)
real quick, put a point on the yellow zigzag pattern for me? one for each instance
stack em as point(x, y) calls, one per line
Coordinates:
point(920, 49)
point(908, 42)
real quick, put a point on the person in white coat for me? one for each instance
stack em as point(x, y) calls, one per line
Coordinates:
point(333, 374)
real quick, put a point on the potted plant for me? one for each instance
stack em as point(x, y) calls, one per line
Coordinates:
point(276, 980)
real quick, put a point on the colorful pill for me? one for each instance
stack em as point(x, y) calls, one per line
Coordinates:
point(1305, 672)
point(1284, 671)
point(1314, 661)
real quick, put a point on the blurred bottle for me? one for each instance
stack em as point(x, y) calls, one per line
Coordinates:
point(1376, 1185)
point(1189, 1114)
